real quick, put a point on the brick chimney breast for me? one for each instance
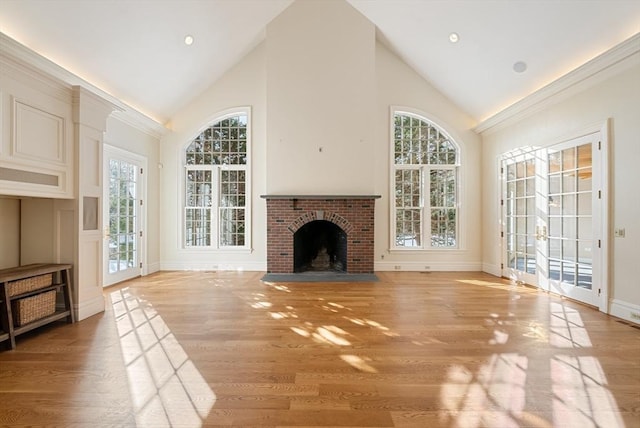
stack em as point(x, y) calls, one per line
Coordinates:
point(353, 215)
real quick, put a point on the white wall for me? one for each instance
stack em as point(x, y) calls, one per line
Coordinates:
point(615, 95)
point(133, 140)
point(320, 100)
point(244, 85)
point(10, 227)
point(37, 240)
point(315, 85)
point(400, 85)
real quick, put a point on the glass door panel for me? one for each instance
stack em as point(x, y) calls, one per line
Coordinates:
point(570, 210)
point(520, 218)
point(122, 215)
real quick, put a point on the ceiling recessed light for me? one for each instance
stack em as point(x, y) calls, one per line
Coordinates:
point(520, 67)
point(454, 37)
point(188, 40)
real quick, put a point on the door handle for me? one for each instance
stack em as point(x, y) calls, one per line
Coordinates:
point(541, 233)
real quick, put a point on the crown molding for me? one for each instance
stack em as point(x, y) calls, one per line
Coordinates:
point(48, 71)
point(550, 94)
point(141, 122)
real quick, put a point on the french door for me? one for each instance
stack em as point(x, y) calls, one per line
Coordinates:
point(123, 215)
point(552, 218)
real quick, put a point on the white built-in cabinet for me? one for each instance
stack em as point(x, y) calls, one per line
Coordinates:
point(36, 126)
point(51, 143)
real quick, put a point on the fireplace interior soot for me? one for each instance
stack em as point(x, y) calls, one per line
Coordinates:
point(320, 246)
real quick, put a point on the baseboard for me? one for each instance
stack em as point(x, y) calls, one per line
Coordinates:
point(492, 269)
point(152, 268)
point(89, 308)
point(240, 266)
point(428, 266)
point(378, 266)
point(624, 310)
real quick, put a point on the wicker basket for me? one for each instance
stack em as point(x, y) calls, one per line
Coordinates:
point(29, 284)
point(33, 308)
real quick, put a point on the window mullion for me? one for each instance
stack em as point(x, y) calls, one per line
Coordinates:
point(425, 209)
point(215, 207)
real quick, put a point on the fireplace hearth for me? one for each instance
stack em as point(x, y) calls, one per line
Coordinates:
point(317, 233)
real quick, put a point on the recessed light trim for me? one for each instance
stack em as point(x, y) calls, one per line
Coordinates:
point(454, 37)
point(188, 40)
point(520, 67)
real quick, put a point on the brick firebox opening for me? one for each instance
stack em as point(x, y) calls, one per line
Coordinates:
point(353, 215)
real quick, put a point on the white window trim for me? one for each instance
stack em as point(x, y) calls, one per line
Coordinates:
point(460, 220)
point(214, 247)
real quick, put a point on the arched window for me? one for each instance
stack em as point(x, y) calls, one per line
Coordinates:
point(216, 185)
point(425, 184)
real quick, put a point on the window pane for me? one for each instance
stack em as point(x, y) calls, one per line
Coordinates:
point(569, 204)
point(584, 179)
point(554, 161)
point(569, 250)
point(584, 156)
point(585, 228)
point(531, 206)
point(531, 186)
point(232, 227)
point(232, 213)
point(443, 233)
point(569, 273)
point(585, 275)
point(531, 265)
point(197, 227)
point(223, 142)
point(198, 202)
point(443, 188)
point(569, 158)
point(569, 182)
point(555, 248)
point(555, 183)
point(569, 227)
point(408, 228)
point(584, 252)
point(584, 203)
point(521, 206)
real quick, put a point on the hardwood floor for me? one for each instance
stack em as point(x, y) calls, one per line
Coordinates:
point(189, 349)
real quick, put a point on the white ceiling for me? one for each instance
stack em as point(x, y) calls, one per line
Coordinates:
point(134, 49)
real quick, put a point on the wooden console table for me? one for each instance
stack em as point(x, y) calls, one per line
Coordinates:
point(61, 283)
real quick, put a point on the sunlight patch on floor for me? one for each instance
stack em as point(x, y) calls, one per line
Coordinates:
point(495, 394)
point(581, 396)
point(490, 284)
point(567, 330)
point(358, 363)
point(166, 388)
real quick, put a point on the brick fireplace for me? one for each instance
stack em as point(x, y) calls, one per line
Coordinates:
point(320, 233)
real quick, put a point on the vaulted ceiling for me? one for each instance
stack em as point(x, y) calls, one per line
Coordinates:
point(135, 50)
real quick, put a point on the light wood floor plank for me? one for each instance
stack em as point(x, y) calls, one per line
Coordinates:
point(220, 349)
